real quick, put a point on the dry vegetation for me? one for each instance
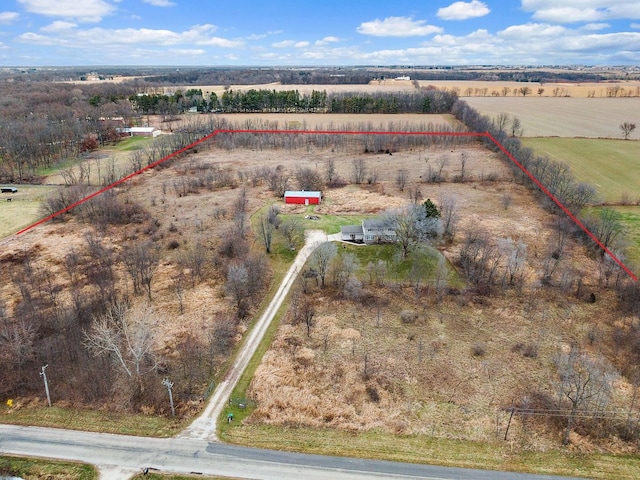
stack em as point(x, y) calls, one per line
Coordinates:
point(454, 366)
point(405, 353)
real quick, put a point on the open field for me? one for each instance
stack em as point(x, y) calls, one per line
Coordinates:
point(612, 166)
point(563, 117)
point(464, 88)
point(553, 89)
point(23, 209)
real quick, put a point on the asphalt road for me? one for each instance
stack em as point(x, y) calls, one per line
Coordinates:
point(128, 455)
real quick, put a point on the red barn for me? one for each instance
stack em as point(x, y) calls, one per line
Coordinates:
point(302, 197)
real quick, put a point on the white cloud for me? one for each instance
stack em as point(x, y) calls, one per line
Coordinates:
point(464, 10)
point(327, 41)
point(290, 43)
point(86, 11)
point(58, 26)
point(159, 3)
point(596, 26)
point(532, 31)
point(8, 17)
point(283, 44)
point(187, 52)
point(581, 10)
point(196, 35)
point(635, 25)
point(397, 27)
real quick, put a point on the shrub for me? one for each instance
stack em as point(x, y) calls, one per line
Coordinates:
point(408, 316)
point(479, 349)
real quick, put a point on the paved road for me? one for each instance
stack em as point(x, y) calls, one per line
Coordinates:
point(124, 455)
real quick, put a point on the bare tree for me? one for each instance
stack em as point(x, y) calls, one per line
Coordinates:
point(240, 213)
point(627, 128)
point(321, 258)
point(449, 216)
point(278, 181)
point(141, 261)
point(401, 178)
point(307, 312)
point(606, 226)
point(516, 127)
point(524, 91)
point(515, 255)
point(126, 334)
point(405, 222)
point(501, 121)
point(330, 173)
point(194, 259)
point(342, 268)
point(308, 179)
point(582, 381)
point(358, 170)
point(292, 231)
point(265, 231)
point(238, 287)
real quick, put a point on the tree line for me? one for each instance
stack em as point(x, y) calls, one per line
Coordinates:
point(292, 101)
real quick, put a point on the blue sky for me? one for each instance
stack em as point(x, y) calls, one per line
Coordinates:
point(320, 32)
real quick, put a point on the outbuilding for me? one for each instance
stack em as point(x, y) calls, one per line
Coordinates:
point(302, 197)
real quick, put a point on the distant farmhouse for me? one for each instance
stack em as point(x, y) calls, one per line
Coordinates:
point(302, 197)
point(370, 232)
point(140, 131)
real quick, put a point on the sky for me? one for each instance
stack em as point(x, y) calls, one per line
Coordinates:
point(319, 33)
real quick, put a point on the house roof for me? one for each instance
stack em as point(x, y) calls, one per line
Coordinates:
point(374, 223)
point(303, 193)
point(351, 230)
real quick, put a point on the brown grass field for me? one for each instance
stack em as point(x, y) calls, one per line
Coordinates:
point(563, 117)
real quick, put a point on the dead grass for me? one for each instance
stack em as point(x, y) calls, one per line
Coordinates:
point(352, 374)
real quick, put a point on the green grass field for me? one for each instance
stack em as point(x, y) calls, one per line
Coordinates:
point(23, 209)
point(630, 218)
point(612, 166)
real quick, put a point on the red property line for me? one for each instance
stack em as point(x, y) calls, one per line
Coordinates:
point(351, 132)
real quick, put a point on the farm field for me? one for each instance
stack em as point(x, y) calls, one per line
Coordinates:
point(465, 88)
point(612, 166)
point(563, 117)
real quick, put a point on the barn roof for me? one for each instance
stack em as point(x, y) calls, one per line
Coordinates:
point(303, 193)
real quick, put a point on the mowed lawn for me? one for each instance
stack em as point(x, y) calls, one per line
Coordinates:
point(23, 209)
point(612, 166)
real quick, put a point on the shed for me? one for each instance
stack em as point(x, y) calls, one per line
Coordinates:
point(302, 197)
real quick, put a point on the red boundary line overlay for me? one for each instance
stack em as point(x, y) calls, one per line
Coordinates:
point(338, 132)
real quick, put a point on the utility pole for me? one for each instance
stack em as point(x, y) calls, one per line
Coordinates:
point(43, 374)
point(169, 386)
